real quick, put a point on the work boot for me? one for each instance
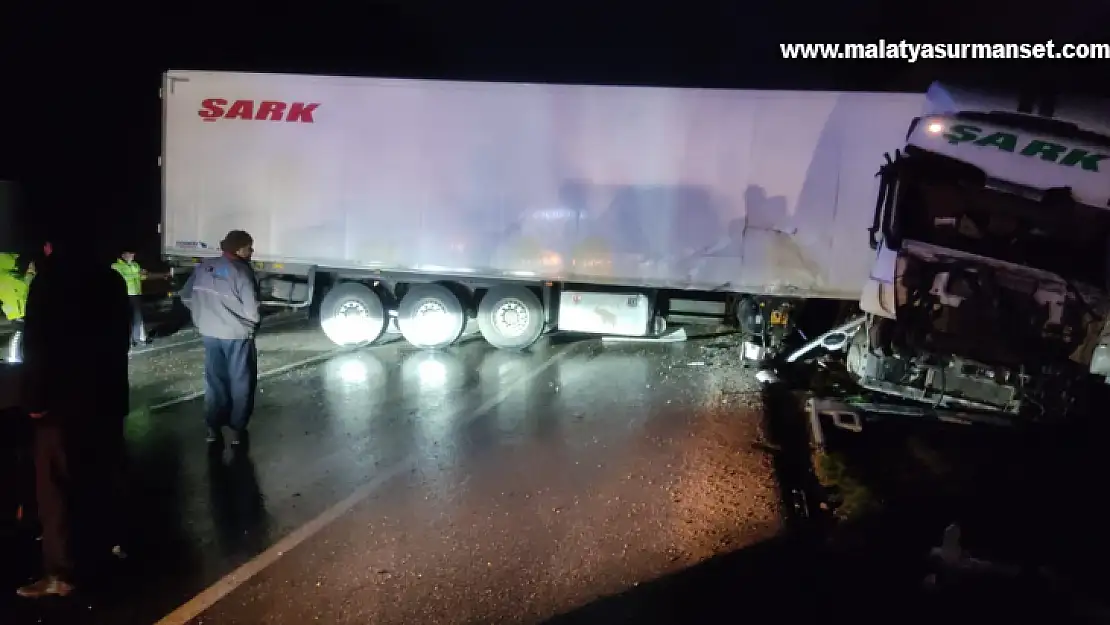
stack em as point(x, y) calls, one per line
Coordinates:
point(46, 587)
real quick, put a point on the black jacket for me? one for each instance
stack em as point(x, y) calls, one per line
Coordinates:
point(77, 332)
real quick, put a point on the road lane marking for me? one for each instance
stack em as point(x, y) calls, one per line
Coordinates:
point(305, 362)
point(225, 586)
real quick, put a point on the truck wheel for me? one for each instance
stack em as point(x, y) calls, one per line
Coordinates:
point(430, 316)
point(352, 313)
point(510, 317)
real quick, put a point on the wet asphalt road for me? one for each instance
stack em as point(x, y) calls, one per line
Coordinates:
point(465, 486)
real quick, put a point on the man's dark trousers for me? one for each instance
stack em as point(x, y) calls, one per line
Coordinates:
point(54, 493)
point(79, 466)
point(230, 379)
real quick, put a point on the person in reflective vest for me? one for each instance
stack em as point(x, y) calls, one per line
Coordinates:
point(13, 301)
point(133, 276)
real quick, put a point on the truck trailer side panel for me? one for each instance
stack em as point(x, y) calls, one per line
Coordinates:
point(744, 191)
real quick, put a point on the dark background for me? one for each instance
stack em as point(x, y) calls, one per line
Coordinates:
point(80, 107)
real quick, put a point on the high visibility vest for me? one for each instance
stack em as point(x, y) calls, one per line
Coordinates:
point(13, 295)
point(8, 261)
point(13, 287)
point(132, 275)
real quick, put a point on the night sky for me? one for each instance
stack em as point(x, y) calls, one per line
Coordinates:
point(80, 98)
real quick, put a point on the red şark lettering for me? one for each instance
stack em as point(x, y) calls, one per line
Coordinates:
point(301, 112)
point(240, 109)
point(212, 109)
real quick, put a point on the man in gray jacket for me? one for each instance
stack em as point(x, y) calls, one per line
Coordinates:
point(222, 295)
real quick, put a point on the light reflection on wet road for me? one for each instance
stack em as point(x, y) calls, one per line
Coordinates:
point(498, 485)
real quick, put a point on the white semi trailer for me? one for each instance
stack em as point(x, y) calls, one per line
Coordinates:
point(608, 210)
point(529, 207)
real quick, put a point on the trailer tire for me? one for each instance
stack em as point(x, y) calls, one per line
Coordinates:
point(510, 317)
point(352, 314)
point(430, 316)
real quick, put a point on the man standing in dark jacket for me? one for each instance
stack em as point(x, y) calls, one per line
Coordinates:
point(222, 295)
point(75, 387)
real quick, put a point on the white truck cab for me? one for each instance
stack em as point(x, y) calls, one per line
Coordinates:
point(992, 268)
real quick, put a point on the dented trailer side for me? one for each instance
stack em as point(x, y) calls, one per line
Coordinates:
point(584, 208)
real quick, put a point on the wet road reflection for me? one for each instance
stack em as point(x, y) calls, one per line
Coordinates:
point(236, 504)
point(605, 466)
point(488, 448)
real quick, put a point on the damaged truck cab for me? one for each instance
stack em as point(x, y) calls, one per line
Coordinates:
point(989, 286)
